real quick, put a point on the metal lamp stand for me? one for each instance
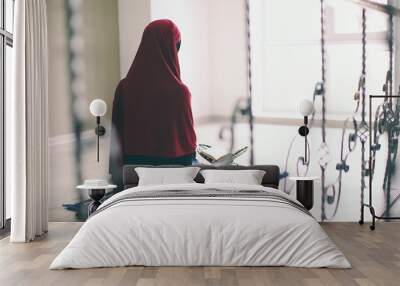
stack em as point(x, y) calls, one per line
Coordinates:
point(370, 202)
point(304, 131)
point(100, 131)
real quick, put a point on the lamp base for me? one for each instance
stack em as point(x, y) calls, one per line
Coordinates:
point(100, 130)
point(303, 130)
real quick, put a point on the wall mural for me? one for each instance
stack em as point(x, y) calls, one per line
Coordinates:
point(163, 132)
point(355, 128)
point(386, 122)
point(75, 38)
point(351, 132)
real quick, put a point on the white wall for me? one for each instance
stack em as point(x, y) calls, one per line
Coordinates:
point(134, 15)
point(192, 19)
point(101, 60)
point(228, 54)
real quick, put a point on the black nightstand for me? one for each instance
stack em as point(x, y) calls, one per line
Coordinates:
point(305, 190)
point(96, 193)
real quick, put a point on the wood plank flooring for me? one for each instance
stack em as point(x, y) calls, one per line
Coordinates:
point(375, 257)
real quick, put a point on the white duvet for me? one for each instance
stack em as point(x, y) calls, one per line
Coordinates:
point(200, 231)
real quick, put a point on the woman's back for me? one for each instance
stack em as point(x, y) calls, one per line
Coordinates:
point(152, 113)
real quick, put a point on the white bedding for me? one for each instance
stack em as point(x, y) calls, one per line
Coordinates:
point(200, 231)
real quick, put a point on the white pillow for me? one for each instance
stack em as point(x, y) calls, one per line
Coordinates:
point(165, 176)
point(248, 177)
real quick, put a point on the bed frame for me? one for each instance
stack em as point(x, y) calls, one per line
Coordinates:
point(270, 179)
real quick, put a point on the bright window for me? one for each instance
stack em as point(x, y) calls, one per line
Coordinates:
point(286, 55)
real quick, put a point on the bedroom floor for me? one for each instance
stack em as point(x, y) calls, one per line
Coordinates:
point(375, 257)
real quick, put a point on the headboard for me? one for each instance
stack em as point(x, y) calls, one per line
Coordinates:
point(270, 179)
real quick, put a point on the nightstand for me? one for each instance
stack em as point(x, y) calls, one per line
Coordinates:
point(305, 190)
point(96, 193)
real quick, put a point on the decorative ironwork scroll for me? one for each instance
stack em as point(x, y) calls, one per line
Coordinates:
point(352, 130)
point(386, 122)
point(77, 91)
point(363, 130)
point(249, 84)
point(243, 106)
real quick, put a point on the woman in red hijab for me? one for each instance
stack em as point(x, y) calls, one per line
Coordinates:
point(152, 114)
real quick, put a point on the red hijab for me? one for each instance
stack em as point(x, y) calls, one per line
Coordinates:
point(152, 111)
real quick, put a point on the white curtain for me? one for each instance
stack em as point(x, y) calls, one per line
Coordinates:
point(27, 129)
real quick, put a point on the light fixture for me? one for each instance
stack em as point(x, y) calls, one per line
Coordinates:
point(98, 108)
point(306, 108)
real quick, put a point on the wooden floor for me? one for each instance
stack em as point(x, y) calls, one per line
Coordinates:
point(375, 257)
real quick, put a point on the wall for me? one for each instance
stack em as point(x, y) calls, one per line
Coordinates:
point(133, 16)
point(101, 53)
point(214, 84)
point(58, 69)
point(213, 62)
point(228, 54)
point(102, 73)
point(192, 18)
point(227, 81)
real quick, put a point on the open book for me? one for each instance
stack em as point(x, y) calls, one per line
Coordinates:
point(218, 157)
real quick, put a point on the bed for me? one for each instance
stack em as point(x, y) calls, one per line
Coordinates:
point(198, 224)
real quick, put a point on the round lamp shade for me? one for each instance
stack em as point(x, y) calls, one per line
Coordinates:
point(98, 107)
point(306, 107)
